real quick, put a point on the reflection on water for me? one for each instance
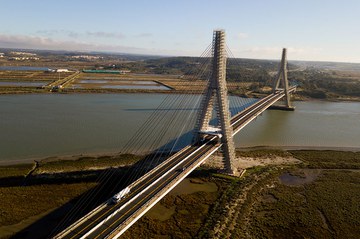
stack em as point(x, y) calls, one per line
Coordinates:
point(139, 82)
point(23, 68)
point(117, 81)
point(55, 124)
point(119, 84)
point(136, 87)
point(22, 83)
point(126, 87)
point(93, 81)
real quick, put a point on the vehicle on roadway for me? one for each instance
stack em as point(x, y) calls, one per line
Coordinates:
point(210, 131)
point(117, 197)
point(181, 169)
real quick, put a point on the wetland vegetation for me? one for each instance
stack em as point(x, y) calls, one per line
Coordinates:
point(258, 205)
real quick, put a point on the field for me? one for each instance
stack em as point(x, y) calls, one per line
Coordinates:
point(318, 196)
point(147, 74)
point(15, 82)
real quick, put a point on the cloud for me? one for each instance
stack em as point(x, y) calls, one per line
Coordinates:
point(257, 52)
point(143, 35)
point(36, 42)
point(106, 35)
point(49, 33)
point(263, 50)
point(304, 50)
point(241, 36)
point(74, 34)
point(275, 52)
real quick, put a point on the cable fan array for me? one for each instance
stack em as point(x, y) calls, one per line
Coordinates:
point(168, 128)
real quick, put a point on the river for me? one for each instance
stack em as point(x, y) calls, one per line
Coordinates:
point(44, 125)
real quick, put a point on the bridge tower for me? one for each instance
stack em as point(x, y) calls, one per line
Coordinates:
point(282, 78)
point(216, 97)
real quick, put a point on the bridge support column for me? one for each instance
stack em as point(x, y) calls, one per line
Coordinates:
point(282, 79)
point(216, 97)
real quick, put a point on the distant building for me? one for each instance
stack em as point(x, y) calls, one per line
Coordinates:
point(102, 71)
point(23, 58)
point(2, 55)
point(124, 71)
point(87, 57)
point(20, 53)
point(62, 70)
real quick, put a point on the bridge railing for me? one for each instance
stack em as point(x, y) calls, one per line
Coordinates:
point(116, 233)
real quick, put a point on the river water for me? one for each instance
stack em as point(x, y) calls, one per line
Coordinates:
point(44, 125)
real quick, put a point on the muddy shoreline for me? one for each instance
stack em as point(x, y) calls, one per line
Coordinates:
point(111, 154)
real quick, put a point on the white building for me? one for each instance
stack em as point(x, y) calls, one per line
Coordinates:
point(20, 53)
point(62, 70)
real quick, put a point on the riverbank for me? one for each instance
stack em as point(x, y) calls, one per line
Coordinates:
point(75, 157)
point(181, 90)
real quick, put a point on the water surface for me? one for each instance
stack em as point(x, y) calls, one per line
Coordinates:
point(22, 83)
point(57, 124)
point(23, 68)
point(136, 87)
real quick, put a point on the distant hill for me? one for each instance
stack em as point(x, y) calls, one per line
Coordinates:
point(44, 53)
point(324, 65)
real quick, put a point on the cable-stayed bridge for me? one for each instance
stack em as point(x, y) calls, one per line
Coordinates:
point(113, 217)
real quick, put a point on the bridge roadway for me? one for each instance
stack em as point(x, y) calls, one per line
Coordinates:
point(64, 81)
point(111, 220)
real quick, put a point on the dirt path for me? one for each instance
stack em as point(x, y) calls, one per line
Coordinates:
point(36, 165)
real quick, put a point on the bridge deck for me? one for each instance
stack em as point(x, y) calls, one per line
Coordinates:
point(111, 221)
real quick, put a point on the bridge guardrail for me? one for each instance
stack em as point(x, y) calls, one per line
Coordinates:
point(143, 191)
point(157, 167)
point(149, 204)
point(79, 222)
point(127, 223)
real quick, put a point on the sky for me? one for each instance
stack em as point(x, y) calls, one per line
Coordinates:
point(312, 30)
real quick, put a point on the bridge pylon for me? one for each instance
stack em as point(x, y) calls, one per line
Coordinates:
point(281, 80)
point(216, 97)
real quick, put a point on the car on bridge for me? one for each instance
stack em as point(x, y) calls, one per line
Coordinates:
point(117, 197)
point(181, 169)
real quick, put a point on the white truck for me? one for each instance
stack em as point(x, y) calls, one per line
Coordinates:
point(211, 131)
point(117, 197)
